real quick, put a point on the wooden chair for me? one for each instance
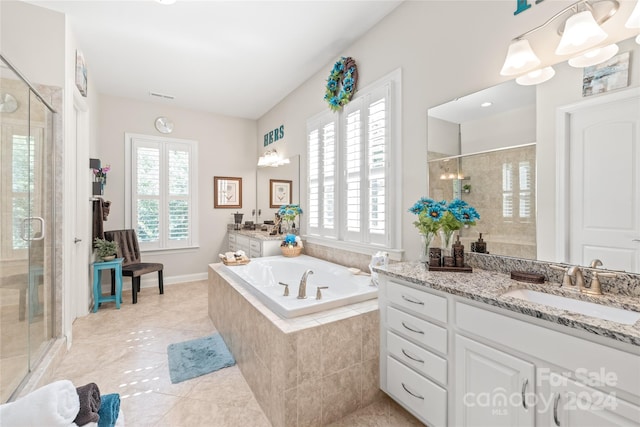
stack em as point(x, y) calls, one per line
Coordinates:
point(132, 266)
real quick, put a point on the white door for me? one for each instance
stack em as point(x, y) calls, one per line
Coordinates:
point(576, 405)
point(81, 248)
point(492, 388)
point(604, 207)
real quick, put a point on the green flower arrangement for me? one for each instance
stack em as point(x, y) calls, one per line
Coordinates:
point(341, 83)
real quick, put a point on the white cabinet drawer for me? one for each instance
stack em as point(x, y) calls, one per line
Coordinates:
point(242, 242)
point(425, 399)
point(418, 358)
point(232, 246)
point(424, 303)
point(421, 331)
point(232, 238)
point(255, 246)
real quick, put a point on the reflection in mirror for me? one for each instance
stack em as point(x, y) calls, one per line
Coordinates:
point(500, 185)
point(264, 176)
point(482, 150)
point(503, 183)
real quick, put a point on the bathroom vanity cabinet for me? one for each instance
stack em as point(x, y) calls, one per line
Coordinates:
point(254, 243)
point(453, 361)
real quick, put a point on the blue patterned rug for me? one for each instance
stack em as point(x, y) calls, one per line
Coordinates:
point(197, 357)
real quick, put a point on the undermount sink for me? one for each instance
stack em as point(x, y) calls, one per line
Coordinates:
point(604, 312)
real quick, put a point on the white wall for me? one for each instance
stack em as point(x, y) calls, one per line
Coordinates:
point(513, 127)
point(226, 147)
point(446, 49)
point(32, 38)
point(443, 136)
point(564, 89)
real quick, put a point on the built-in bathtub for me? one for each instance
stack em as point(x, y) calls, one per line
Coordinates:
point(263, 277)
point(312, 369)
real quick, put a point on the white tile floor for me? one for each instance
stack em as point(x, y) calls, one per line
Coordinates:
point(125, 351)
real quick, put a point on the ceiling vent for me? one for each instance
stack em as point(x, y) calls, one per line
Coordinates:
point(161, 95)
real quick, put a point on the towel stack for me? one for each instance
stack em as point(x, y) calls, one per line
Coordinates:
point(60, 404)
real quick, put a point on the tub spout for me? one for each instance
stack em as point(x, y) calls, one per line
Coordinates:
point(302, 290)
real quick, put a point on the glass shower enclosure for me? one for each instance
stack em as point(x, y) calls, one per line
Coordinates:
point(26, 233)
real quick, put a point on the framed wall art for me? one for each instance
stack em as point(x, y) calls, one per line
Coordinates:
point(227, 192)
point(81, 74)
point(279, 193)
point(610, 75)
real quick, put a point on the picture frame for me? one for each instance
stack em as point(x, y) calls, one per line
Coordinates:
point(610, 75)
point(227, 192)
point(279, 192)
point(81, 74)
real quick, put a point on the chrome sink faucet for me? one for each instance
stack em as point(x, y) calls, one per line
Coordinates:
point(302, 290)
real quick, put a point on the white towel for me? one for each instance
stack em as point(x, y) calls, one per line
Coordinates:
point(56, 404)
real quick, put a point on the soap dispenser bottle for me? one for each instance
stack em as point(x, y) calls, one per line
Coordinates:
point(458, 252)
point(481, 245)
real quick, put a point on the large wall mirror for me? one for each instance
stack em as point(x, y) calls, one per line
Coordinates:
point(274, 184)
point(541, 192)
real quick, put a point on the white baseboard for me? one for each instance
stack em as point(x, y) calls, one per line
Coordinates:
point(152, 280)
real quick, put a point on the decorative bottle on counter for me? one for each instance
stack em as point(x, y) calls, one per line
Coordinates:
point(458, 252)
point(480, 246)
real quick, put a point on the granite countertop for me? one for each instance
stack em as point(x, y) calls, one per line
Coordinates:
point(257, 234)
point(488, 287)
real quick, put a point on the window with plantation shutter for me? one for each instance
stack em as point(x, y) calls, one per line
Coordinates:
point(350, 167)
point(162, 180)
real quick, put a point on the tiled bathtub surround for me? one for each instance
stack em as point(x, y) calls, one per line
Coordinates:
point(489, 287)
point(338, 256)
point(625, 284)
point(310, 370)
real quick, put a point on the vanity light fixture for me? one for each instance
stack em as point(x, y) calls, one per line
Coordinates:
point(580, 31)
point(535, 77)
point(634, 19)
point(520, 58)
point(271, 158)
point(594, 56)
point(486, 104)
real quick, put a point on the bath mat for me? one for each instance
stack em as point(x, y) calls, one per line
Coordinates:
point(197, 357)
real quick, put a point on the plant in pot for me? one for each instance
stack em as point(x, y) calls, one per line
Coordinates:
point(106, 250)
point(466, 188)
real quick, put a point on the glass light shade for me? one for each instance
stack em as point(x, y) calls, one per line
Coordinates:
point(594, 56)
point(581, 31)
point(536, 76)
point(634, 18)
point(520, 58)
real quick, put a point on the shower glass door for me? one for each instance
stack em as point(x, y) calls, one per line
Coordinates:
point(26, 215)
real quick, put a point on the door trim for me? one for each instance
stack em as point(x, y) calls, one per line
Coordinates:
point(563, 123)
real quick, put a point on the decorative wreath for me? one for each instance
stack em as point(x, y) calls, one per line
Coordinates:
point(341, 84)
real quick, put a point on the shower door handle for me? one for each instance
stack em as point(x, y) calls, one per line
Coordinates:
point(24, 236)
point(76, 240)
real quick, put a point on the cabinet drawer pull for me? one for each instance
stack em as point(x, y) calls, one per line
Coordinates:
point(555, 410)
point(417, 396)
point(412, 330)
point(412, 301)
point(524, 389)
point(412, 358)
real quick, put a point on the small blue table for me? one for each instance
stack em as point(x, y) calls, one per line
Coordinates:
point(98, 298)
